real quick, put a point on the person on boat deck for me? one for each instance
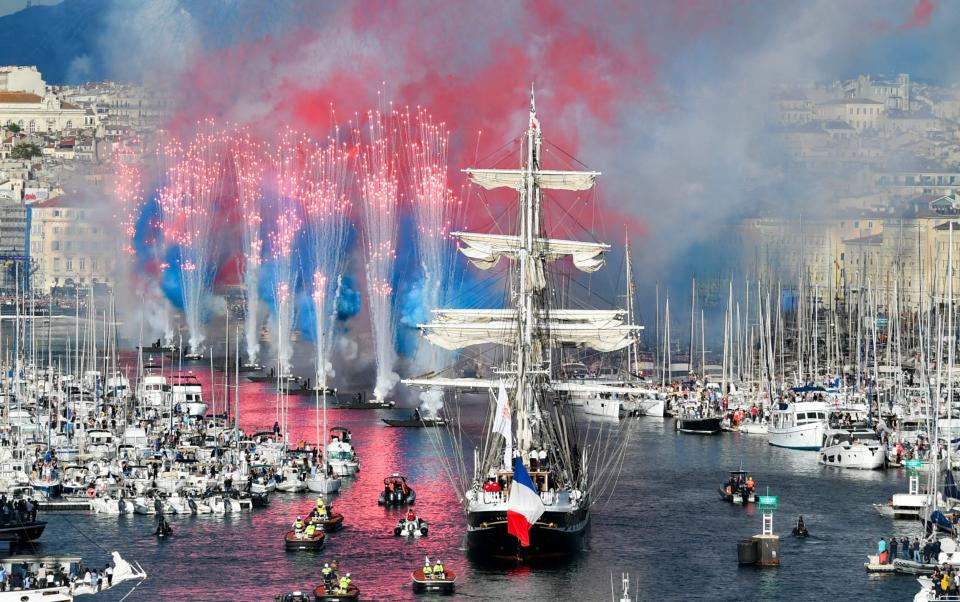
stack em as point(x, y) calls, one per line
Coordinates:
point(310, 531)
point(882, 550)
point(750, 484)
point(492, 487)
point(321, 509)
point(345, 583)
point(916, 549)
point(412, 520)
point(893, 548)
point(327, 573)
point(438, 572)
point(427, 569)
point(298, 525)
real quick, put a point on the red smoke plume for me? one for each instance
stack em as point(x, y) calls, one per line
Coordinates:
point(472, 68)
point(920, 17)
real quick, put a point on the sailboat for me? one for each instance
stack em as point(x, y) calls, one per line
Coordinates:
point(535, 334)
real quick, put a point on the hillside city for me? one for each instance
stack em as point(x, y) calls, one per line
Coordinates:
point(887, 151)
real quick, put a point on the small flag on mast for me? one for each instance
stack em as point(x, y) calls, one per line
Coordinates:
point(503, 425)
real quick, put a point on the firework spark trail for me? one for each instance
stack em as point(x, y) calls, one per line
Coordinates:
point(325, 210)
point(425, 146)
point(289, 163)
point(190, 209)
point(379, 192)
point(249, 172)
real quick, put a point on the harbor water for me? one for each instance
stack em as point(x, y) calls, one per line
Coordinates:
point(663, 523)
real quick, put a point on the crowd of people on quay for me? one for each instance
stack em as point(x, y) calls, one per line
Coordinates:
point(914, 550)
point(946, 583)
point(17, 511)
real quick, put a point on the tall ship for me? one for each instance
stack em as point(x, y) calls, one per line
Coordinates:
point(530, 408)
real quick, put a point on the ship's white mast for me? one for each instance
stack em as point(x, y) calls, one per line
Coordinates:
point(524, 351)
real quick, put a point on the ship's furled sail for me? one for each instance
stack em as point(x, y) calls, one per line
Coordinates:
point(485, 250)
point(544, 178)
point(597, 329)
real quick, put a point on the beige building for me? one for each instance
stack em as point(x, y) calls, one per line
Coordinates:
point(70, 244)
point(907, 253)
point(33, 113)
point(859, 113)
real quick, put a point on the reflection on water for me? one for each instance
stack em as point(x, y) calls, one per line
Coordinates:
point(664, 523)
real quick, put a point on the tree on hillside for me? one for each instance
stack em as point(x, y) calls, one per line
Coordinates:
point(25, 151)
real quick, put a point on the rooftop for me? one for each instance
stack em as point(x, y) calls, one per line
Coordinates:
point(19, 97)
point(851, 101)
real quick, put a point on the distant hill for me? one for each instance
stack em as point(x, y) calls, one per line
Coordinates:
point(61, 40)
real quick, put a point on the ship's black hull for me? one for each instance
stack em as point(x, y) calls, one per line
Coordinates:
point(22, 532)
point(413, 423)
point(555, 535)
point(699, 426)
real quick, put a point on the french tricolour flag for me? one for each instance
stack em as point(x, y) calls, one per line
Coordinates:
point(524, 506)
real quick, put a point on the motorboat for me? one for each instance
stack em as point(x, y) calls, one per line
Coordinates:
point(421, 583)
point(737, 489)
point(61, 567)
point(411, 526)
point(753, 428)
point(416, 420)
point(333, 522)
point(340, 454)
point(187, 396)
point(299, 540)
point(699, 425)
point(396, 492)
point(604, 405)
point(296, 596)
point(798, 425)
point(857, 448)
point(650, 403)
point(359, 401)
point(153, 390)
point(290, 480)
point(322, 594)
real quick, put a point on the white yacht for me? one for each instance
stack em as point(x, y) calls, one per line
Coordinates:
point(798, 425)
point(187, 395)
point(602, 404)
point(856, 447)
point(340, 453)
point(153, 390)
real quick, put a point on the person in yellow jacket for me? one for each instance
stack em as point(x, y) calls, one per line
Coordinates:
point(310, 531)
point(298, 525)
point(438, 572)
point(427, 571)
point(345, 583)
point(321, 509)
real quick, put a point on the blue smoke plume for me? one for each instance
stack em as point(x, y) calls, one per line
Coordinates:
point(466, 288)
point(348, 305)
point(171, 280)
point(146, 235)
